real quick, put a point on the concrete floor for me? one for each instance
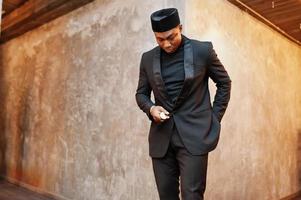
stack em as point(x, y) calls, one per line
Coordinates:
point(9, 191)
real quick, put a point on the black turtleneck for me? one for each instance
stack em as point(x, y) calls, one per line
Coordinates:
point(172, 69)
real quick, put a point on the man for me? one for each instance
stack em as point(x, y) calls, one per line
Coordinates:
point(185, 126)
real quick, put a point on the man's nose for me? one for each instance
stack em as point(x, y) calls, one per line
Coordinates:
point(166, 44)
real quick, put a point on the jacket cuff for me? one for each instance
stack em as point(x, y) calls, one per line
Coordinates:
point(147, 111)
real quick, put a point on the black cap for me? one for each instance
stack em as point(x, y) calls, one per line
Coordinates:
point(165, 19)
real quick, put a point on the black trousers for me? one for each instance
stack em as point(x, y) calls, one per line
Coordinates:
point(179, 163)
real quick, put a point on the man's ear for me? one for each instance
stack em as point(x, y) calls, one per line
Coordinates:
point(180, 26)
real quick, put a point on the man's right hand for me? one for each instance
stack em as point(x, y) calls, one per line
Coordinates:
point(155, 112)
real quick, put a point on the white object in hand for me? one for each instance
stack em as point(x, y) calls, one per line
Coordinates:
point(162, 115)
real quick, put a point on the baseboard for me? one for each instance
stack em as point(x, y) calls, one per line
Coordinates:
point(32, 188)
point(292, 196)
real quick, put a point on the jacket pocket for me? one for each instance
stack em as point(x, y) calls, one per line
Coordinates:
point(203, 110)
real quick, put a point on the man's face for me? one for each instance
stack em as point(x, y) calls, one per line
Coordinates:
point(169, 40)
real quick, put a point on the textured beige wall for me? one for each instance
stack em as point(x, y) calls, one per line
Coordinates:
point(70, 124)
point(68, 114)
point(257, 157)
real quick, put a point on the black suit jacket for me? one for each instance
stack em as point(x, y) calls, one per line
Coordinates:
point(197, 121)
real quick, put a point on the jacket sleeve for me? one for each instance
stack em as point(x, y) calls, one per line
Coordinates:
point(219, 75)
point(143, 91)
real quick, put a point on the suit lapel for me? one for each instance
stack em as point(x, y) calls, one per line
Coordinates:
point(158, 76)
point(189, 72)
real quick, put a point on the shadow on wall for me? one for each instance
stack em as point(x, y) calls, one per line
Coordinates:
point(12, 124)
point(297, 195)
point(14, 121)
point(2, 118)
point(299, 160)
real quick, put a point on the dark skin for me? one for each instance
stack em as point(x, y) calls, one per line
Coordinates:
point(169, 41)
